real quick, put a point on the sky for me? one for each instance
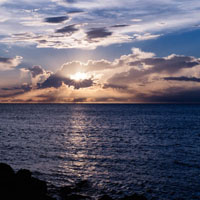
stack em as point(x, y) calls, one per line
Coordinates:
point(99, 51)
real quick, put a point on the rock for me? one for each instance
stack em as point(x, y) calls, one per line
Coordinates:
point(24, 174)
point(6, 172)
point(29, 187)
point(7, 182)
point(149, 190)
point(21, 185)
point(134, 197)
point(70, 192)
point(82, 184)
point(77, 197)
point(105, 197)
point(66, 190)
point(39, 186)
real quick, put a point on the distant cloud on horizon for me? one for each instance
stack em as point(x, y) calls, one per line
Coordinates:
point(137, 77)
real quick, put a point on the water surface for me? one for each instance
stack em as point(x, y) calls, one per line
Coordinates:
point(120, 149)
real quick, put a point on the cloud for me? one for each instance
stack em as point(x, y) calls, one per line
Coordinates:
point(25, 87)
point(182, 78)
point(15, 91)
point(36, 70)
point(136, 20)
point(67, 37)
point(57, 81)
point(25, 81)
point(5, 60)
point(119, 25)
point(73, 12)
point(172, 95)
point(71, 36)
point(70, 29)
point(122, 21)
point(9, 63)
point(98, 33)
point(91, 66)
point(3, 1)
point(115, 86)
point(168, 64)
point(145, 36)
point(70, 1)
point(136, 77)
point(52, 81)
point(56, 20)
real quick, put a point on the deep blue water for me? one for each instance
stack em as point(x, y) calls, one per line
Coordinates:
point(120, 149)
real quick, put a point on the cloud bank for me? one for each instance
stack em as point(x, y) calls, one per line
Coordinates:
point(137, 77)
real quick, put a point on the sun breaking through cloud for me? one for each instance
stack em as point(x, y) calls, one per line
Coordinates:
point(137, 77)
point(99, 51)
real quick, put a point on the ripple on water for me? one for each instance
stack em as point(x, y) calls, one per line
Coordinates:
point(151, 149)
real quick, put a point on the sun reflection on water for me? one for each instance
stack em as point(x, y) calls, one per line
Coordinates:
point(78, 159)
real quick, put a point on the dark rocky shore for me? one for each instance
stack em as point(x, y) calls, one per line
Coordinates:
point(22, 185)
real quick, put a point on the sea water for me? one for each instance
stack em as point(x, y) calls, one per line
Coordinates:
point(120, 149)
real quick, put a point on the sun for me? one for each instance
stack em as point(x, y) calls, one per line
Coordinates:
point(79, 76)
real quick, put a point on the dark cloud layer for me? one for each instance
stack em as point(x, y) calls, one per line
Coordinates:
point(56, 81)
point(98, 33)
point(24, 87)
point(115, 86)
point(119, 26)
point(5, 60)
point(67, 29)
point(9, 63)
point(56, 20)
point(130, 76)
point(143, 68)
point(182, 78)
point(75, 11)
point(172, 95)
point(137, 77)
point(36, 70)
point(17, 90)
point(71, 1)
point(171, 64)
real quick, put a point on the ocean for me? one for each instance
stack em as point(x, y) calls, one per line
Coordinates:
point(119, 148)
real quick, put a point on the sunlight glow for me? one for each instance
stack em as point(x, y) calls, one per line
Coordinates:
point(79, 76)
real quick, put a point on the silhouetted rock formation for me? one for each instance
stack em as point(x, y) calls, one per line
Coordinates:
point(134, 197)
point(21, 185)
point(105, 197)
